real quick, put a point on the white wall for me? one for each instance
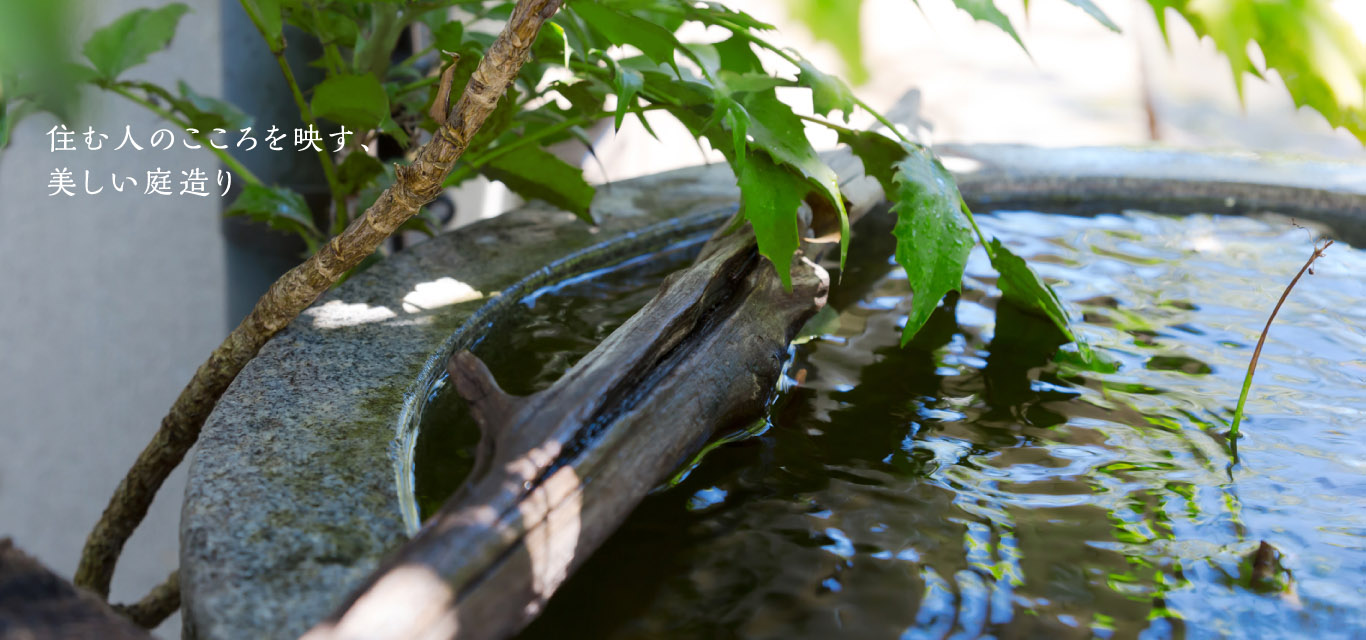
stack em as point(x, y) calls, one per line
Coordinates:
point(107, 304)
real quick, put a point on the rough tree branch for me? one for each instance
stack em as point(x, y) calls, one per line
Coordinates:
point(156, 606)
point(415, 185)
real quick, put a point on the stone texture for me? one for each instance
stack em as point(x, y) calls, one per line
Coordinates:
point(1092, 179)
point(297, 487)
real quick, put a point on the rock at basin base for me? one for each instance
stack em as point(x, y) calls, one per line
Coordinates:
point(37, 604)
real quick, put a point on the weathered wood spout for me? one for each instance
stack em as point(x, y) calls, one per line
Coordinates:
point(556, 472)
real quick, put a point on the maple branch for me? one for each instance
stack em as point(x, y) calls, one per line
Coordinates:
point(414, 185)
point(153, 609)
point(306, 113)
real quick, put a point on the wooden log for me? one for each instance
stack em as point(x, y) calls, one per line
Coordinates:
point(37, 604)
point(556, 472)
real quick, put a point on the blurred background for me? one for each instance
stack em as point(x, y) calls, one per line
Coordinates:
point(110, 301)
point(1080, 85)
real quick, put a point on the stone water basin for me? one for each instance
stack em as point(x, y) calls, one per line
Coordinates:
point(305, 475)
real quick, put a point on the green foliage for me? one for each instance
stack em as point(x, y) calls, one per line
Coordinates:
point(602, 60)
point(8, 116)
point(1315, 52)
point(769, 196)
point(1025, 289)
point(932, 235)
point(835, 22)
point(1092, 10)
point(126, 42)
point(828, 93)
point(358, 170)
point(825, 322)
point(878, 153)
point(772, 127)
point(356, 101)
point(281, 208)
point(986, 11)
point(934, 232)
point(207, 113)
point(1022, 287)
point(449, 36)
point(619, 28)
point(534, 172)
point(37, 72)
point(1321, 61)
point(627, 83)
point(266, 14)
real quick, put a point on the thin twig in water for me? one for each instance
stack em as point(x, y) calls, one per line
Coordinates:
point(1256, 353)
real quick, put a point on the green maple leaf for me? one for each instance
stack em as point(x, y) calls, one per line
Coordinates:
point(933, 238)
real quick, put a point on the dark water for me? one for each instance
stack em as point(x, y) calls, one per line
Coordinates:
point(528, 351)
point(972, 484)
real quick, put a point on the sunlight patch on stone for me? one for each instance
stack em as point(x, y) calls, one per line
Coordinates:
point(336, 314)
point(438, 293)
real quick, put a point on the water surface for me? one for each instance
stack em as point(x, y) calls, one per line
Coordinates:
point(975, 483)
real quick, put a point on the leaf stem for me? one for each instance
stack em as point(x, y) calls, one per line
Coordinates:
point(829, 125)
point(203, 140)
point(1257, 353)
point(877, 115)
point(572, 20)
point(387, 27)
point(972, 220)
point(796, 62)
point(422, 7)
point(418, 84)
point(331, 55)
point(412, 59)
point(342, 217)
point(496, 152)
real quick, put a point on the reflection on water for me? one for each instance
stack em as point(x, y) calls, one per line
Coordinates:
point(969, 484)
